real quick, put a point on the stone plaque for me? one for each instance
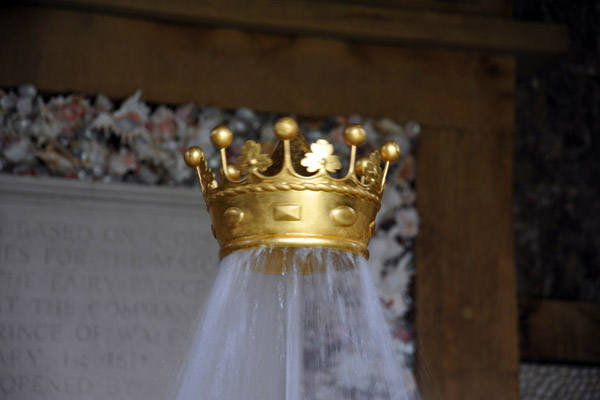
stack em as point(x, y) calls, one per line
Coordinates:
point(100, 286)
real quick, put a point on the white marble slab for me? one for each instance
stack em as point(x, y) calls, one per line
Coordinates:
point(99, 287)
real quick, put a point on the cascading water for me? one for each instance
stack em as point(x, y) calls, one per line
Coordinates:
point(287, 322)
point(313, 331)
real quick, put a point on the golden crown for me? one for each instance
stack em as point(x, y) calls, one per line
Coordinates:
point(290, 199)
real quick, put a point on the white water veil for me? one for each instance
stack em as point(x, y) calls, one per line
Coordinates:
point(292, 324)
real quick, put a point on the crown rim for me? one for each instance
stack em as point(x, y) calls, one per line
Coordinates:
point(294, 240)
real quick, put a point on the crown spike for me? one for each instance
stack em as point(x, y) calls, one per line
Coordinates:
point(222, 137)
point(194, 157)
point(298, 148)
point(361, 168)
point(390, 152)
point(286, 129)
point(354, 135)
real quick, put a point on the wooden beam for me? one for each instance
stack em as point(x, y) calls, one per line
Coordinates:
point(498, 8)
point(465, 281)
point(354, 21)
point(60, 51)
point(559, 331)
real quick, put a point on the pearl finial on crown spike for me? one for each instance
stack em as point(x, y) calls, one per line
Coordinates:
point(354, 135)
point(194, 156)
point(286, 129)
point(233, 171)
point(221, 137)
point(361, 166)
point(390, 151)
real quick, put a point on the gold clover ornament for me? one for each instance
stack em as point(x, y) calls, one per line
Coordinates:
point(321, 158)
point(252, 159)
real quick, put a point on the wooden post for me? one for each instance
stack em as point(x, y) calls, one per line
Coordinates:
point(465, 288)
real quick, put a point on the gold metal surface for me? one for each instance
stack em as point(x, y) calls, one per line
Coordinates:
point(291, 200)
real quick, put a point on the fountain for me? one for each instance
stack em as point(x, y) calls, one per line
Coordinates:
point(293, 313)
